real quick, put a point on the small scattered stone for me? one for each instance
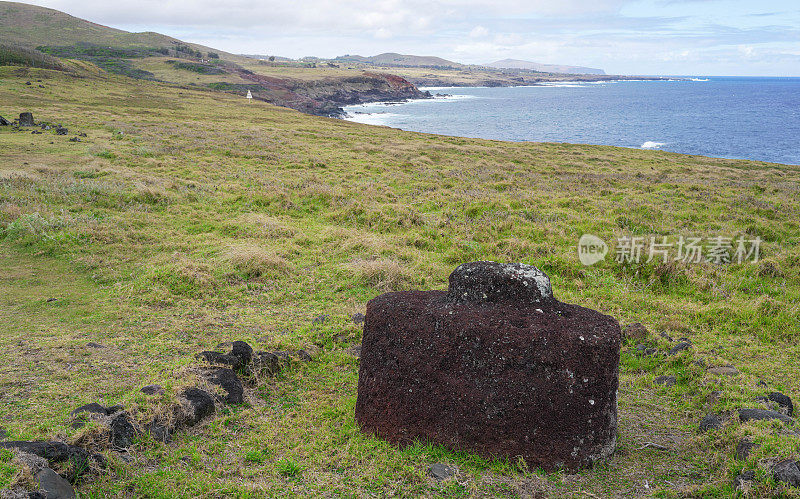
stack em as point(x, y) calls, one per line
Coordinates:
point(153, 390)
point(665, 380)
point(441, 471)
point(763, 414)
point(51, 485)
point(198, 405)
point(28, 83)
point(26, 119)
point(82, 134)
point(320, 319)
point(723, 371)
point(635, 331)
point(74, 139)
point(51, 300)
point(667, 337)
point(92, 344)
point(358, 318)
point(787, 472)
point(709, 422)
point(60, 130)
point(680, 347)
point(744, 448)
point(4, 122)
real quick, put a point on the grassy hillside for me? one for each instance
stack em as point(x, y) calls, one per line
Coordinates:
point(188, 218)
point(34, 26)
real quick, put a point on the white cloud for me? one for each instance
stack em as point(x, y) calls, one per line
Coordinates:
point(626, 36)
point(479, 32)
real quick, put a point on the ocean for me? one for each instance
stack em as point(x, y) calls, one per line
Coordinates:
point(727, 117)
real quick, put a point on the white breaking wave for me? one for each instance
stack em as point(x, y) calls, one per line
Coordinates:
point(370, 118)
point(653, 145)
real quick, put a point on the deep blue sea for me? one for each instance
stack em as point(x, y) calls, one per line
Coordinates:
point(730, 117)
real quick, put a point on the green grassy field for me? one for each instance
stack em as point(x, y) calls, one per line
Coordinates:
point(189, 218)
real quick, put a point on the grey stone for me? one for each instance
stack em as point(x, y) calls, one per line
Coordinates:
point(493, 282)
point(441, 471)
point(51, 485)
point(60, 130)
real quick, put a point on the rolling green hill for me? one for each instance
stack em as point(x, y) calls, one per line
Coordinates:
point(33, 26)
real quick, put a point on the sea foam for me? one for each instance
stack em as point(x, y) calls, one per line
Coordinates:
point(653, 145)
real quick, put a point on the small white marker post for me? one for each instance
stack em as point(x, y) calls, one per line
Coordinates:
point(249, 97)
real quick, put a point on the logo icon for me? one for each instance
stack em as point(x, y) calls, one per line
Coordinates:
point(591, 249)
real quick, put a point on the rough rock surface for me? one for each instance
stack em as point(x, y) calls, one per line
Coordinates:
point(495, 365)
point(52, 451)
point(759, 414)
point(123, 430)
point(26, 119)
point(197, 405)
point(51, 485)
point(787, 471)
point(228, 381)
point(4, 122)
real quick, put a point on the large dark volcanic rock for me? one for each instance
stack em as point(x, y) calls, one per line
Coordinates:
point(495, 365)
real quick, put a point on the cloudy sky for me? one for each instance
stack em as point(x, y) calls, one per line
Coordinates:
point(692, 37)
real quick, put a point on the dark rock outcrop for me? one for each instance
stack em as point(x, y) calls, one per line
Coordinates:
point(495, 365)
point(787, 472)
point(761, 414)
point(197, 404)
point(783, 401)
point(4, 122)
point(123, 430)
point(228, 381)
point(52, 451)
point(26, 119)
